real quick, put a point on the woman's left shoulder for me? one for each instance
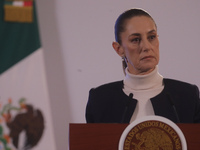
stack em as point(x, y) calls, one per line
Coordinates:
point(173, 83)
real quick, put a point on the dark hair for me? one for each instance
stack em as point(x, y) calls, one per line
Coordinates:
point(122, 19)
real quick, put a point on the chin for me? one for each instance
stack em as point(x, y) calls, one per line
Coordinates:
point(149, 69)
point(150, 65)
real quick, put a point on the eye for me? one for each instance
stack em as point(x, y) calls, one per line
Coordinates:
point(135, 40)
point(151, 37)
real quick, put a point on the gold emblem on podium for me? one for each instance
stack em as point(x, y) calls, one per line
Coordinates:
point(152, 135)
point(18, 11)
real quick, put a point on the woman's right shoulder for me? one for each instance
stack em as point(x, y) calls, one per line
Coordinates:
point(109, 86)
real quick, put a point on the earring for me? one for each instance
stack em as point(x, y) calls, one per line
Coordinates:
point(124, 63)
point(124, 59)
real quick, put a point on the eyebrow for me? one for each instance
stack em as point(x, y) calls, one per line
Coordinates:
point(138, 34)
point(152, 31)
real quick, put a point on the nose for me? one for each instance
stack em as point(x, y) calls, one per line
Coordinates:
point(145, 45)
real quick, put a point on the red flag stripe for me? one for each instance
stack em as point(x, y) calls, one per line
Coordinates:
point(28, 3)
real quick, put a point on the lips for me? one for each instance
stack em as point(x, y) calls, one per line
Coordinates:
point(147, 57)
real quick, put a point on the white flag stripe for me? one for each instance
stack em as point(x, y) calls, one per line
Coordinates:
point(18, 3)
point(27, 79)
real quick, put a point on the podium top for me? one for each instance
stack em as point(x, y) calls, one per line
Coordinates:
point(107, 136)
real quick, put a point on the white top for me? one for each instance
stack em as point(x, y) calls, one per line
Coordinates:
point(143, 88)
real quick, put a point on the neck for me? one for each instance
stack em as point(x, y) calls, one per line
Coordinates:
point(140, 72)
point(143, 82)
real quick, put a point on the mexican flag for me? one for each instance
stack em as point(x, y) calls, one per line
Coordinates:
point(25, 115)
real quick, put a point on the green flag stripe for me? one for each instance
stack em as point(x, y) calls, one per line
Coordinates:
point(17, 40)
point(8, 2)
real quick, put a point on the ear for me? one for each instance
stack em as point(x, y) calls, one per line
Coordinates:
point(118, 48)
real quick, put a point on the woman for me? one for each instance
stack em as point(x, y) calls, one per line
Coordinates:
point(144, 91)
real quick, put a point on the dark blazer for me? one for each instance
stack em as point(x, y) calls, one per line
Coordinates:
point(178, 101)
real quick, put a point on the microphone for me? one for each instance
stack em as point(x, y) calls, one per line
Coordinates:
point(173, 106)
point(127, 105)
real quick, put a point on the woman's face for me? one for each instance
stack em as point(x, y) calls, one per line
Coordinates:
point(140, 45)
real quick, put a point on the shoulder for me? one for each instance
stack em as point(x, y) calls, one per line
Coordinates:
point(109, 86)
point(176, 82)
point(107, 91)
point(105, 95)
point(179, 85)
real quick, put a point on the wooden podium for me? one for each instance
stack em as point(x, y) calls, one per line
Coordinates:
point(107, 136)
